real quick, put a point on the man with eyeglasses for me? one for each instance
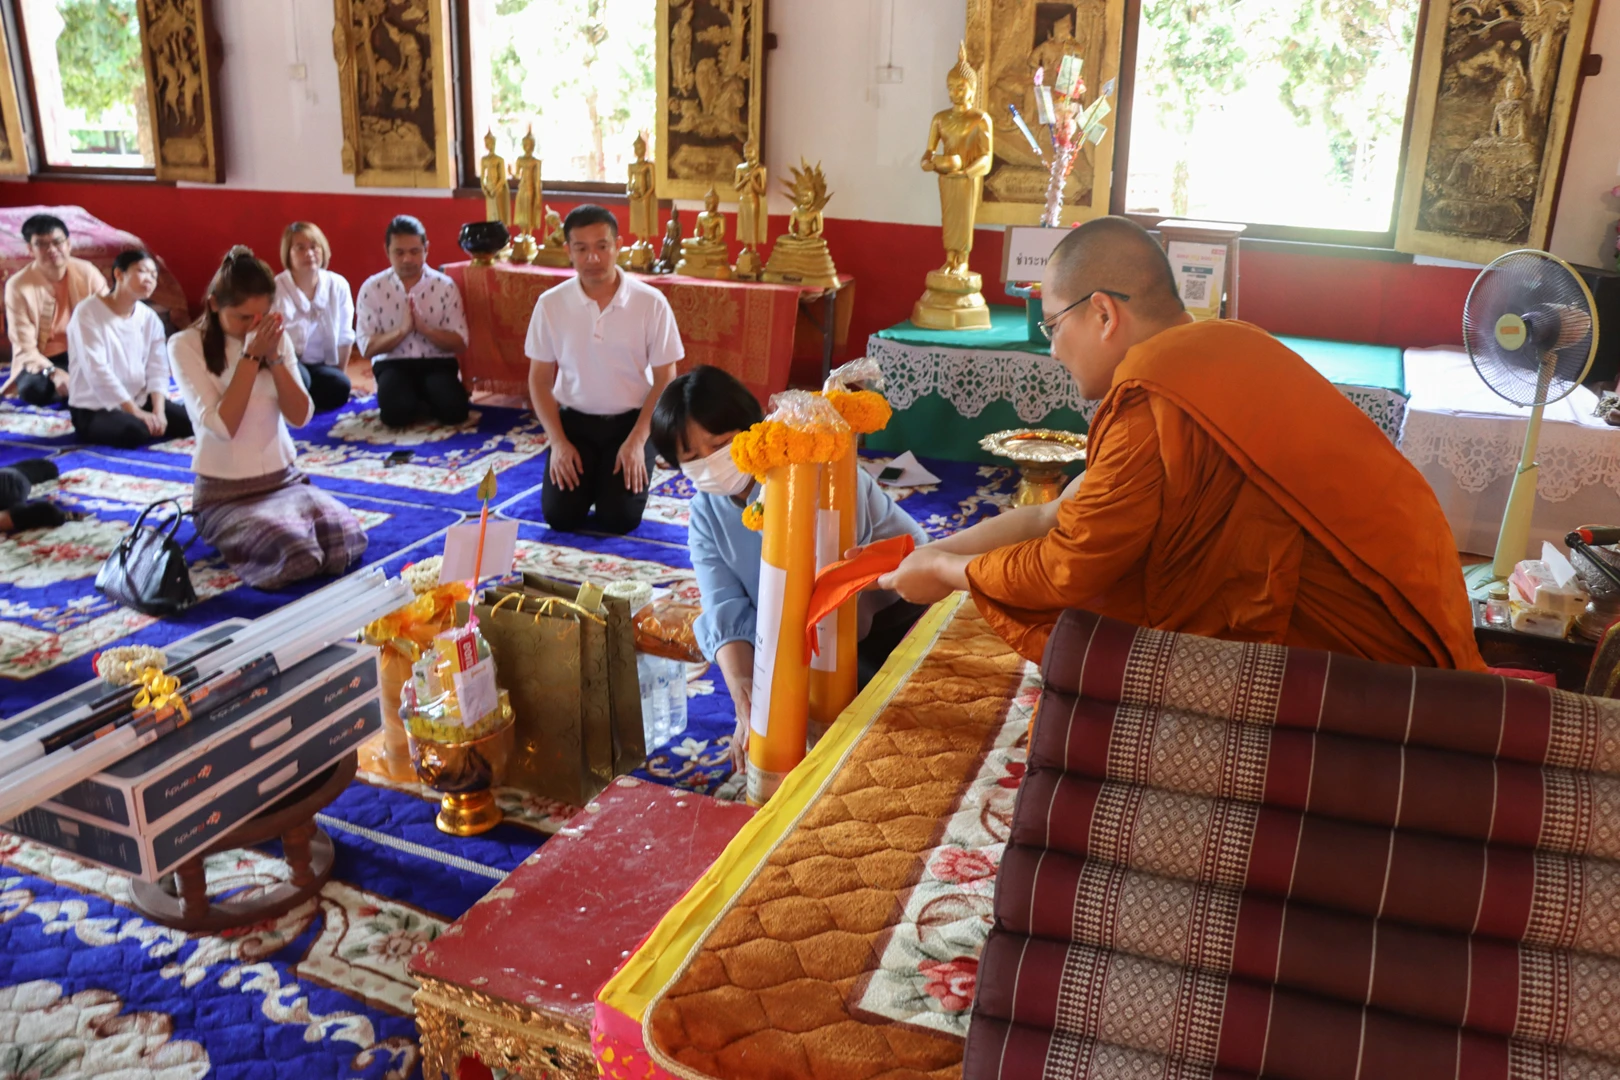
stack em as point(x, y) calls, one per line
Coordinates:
point(39, 301)
point(1230, 490)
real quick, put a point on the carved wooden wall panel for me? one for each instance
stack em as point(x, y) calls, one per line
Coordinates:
point(394, 76)
point(711, 92)
point(1495, 94)
point(13, 150)
point(181, 55)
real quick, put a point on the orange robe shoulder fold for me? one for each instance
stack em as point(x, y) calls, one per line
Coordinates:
point(1232, 492)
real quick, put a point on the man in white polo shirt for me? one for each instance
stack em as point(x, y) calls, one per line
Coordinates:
point(601, 347)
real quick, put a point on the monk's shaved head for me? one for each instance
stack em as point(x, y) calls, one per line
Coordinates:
point(1116, 254)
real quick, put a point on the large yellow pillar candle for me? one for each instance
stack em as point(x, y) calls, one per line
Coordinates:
point(787, 571)
point(833, 673)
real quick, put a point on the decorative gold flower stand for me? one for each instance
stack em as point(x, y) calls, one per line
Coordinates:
point(1042, 458)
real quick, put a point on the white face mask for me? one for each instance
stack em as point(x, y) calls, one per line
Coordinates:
point(716, 474)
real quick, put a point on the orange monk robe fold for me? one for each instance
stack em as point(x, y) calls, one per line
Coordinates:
point(1232, 492)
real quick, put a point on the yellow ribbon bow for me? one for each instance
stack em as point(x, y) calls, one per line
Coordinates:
point(159, 691)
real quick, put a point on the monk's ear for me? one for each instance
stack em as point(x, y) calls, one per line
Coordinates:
point(1108, 308)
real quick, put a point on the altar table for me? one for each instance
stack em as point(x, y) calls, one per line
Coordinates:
point(750, 329)
point(951, 388)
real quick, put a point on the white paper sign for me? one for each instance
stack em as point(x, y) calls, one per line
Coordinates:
point(911, 472)
point(1200, 272)
point(476, 691)
point(1025, 251)
point(767, 625)
point(461, 550)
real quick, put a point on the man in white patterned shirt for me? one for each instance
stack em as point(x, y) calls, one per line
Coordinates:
point(410, 325)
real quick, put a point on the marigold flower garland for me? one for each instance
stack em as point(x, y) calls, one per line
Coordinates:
point(865, 411)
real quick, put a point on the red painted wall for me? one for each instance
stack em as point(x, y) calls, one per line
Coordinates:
point(1307, 295)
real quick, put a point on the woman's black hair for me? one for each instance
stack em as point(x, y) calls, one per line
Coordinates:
point(129, 257)
point(241, 276)
point(712, 397)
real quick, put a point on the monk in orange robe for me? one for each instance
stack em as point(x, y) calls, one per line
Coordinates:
point(1230, 490)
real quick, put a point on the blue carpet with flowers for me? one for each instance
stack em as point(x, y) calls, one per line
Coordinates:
point(88, 988)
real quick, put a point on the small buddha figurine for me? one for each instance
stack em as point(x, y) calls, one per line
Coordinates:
point(801, 257)
point(527, 207)
point(492, 180)
point(670, 253)
point(554, 251)
point(642, 193)
point(704, 253)
point(750, 185)
point(959, 145)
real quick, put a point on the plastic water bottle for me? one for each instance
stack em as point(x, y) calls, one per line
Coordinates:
point(653, 674)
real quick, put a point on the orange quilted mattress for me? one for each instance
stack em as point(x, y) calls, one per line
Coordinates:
point(838, 936)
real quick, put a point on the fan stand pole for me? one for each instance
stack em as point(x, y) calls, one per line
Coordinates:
point(1514, 538)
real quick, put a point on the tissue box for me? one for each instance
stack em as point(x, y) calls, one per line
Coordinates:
point(1534, 585)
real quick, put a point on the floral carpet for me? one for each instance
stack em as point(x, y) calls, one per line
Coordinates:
point(89, 989)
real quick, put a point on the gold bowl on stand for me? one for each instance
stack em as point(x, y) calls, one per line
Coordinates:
point(1042, 456)
point(466, 774)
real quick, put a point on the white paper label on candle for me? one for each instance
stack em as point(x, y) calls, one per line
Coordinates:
point(826, 553)
point(476, 691)
point(767, 628)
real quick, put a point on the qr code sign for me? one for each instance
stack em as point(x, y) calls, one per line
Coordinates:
point(1195, 289)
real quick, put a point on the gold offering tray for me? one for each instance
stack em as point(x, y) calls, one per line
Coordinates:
point(1036, 446)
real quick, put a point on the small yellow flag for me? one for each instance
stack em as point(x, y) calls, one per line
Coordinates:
point(486, 486)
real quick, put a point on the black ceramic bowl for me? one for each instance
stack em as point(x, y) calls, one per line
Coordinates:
point(483, 239)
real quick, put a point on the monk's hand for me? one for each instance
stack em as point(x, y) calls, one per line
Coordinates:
point(927, 575)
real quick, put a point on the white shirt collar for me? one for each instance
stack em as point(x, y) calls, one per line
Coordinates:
point(621, 294)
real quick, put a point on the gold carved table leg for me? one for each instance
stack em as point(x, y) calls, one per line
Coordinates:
point(454, 1022)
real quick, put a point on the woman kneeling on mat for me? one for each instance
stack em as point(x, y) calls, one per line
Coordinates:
point(696, 418)
point(118, 371)
point(239, 376)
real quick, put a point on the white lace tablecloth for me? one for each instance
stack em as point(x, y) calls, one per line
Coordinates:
point(1466, 441)
point(1036, 384)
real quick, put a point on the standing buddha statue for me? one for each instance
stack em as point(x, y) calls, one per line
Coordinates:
point(528, 209)
point(642, 193)
point(492, 180)
point(750, 185)
point(959, 146)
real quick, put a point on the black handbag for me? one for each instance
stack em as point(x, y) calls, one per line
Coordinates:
point(147, 571)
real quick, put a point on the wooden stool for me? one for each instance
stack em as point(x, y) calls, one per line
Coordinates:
point(180, 899)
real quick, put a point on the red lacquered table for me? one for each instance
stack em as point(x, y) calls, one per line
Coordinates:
point(512, 984)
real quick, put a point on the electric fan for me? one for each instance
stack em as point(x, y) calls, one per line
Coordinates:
point(1531, 334)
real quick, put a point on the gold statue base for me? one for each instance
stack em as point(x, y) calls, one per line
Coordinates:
point(797, 261)
point(551, 256)
point(748, 266)
point(952, 302)
point(522, 249)
point(704, 265)
point(639, 257)
point(490, 258)
point(468, 813)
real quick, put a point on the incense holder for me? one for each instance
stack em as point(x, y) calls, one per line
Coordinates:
point(465, 774)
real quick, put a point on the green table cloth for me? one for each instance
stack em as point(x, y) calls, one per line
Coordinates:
point(950, 388)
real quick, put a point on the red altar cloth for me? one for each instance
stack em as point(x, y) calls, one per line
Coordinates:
point(746, 328)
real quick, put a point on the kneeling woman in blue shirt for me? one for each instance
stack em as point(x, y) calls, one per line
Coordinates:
point(696, 418)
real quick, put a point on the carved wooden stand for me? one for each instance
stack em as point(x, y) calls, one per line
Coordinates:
point(181, 899)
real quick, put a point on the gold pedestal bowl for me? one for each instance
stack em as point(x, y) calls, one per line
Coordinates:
point(1042, 456)
point(466, 774)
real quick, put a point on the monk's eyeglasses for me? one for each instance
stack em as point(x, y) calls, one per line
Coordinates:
point(1049, 325)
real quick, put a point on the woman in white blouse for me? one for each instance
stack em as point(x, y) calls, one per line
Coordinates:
point(118, 372)
point(317, 311)
point(239, 376)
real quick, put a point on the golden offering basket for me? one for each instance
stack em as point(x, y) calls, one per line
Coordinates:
point(1041, 456)
point(466, 773)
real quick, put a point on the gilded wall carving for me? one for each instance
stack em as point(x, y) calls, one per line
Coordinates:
point(1494, 102)
point(393, 61)
point(1007, 41)
point(181, 55)
point(13, 151)
point(711, 56)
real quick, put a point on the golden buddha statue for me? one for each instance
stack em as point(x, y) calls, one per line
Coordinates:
point(750, 185)
point(670, 253)
point(642, 193)
point(554, 250)
point(527, 208)
point(492, 180)
point(959, 146)
point(801, 257)
point(703, 254)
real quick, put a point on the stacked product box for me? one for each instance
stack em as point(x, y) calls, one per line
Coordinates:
point(177, 797)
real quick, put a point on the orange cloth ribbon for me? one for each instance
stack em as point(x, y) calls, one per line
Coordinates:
point(841, 580)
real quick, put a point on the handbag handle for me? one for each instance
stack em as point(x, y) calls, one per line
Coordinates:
point(174, 525)
point(546, 604)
